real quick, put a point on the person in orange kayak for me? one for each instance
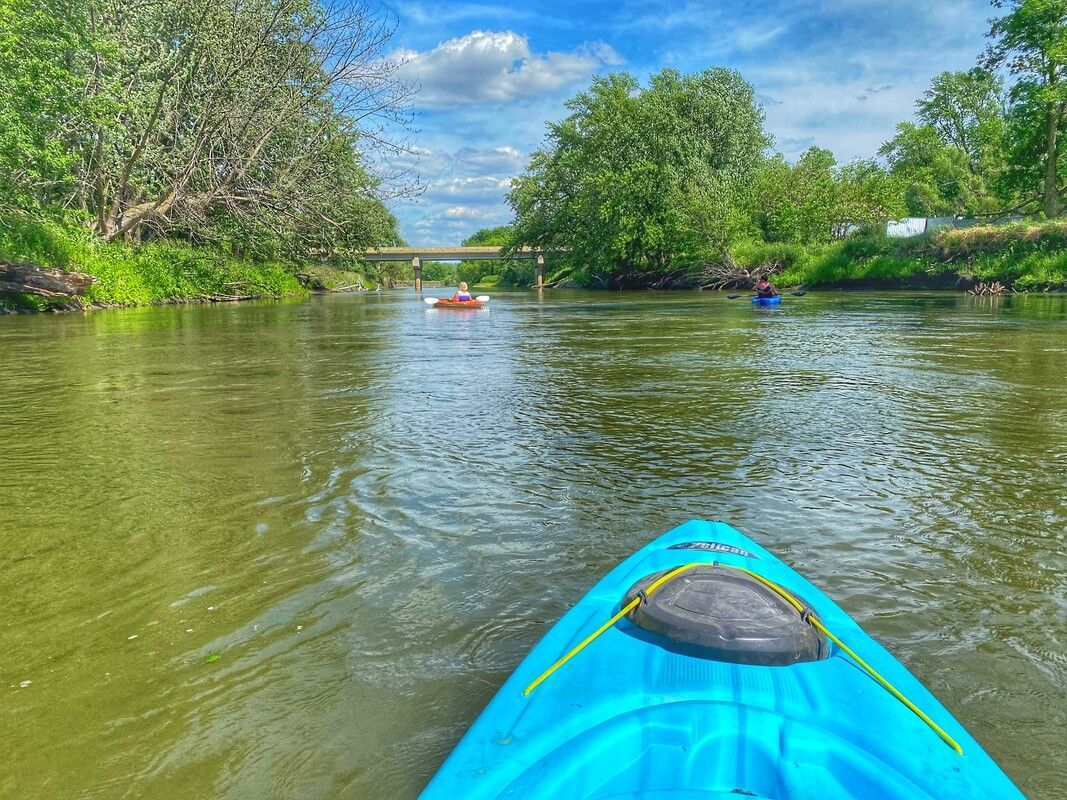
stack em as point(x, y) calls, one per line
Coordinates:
point(462, 295)
point(764, 288)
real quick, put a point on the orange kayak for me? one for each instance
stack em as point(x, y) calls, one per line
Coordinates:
point(458, 304)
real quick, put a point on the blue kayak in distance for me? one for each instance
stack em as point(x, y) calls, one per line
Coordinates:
point(767, 301)
point(706, 682)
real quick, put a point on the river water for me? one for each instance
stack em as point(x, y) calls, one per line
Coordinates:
point(289, 550)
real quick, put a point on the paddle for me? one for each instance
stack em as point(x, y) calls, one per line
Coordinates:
point(735, 296)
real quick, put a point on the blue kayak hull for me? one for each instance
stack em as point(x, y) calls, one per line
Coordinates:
point(627, 718)
point(767, 301)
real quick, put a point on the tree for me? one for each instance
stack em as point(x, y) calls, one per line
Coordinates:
point(967, 110)
point(251, 111)
point(473, 271)
point(39, 96)
point(938, 180)
point(638, 183)
point(249, 123)
point(807, 203)
point(1025, 173)
point(867, 193)
point(953, 160)
point(796, 203)
point(1031, 42)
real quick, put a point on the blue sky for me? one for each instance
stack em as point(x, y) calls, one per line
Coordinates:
point(835, 73)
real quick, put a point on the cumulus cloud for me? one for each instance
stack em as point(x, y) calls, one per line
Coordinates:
point(496, 67)
point(490, 161)
point(465, 190)
point(446, 226)
point(464, 212)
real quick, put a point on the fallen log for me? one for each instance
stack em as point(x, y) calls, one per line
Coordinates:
point(31, 279)
point(230, 298)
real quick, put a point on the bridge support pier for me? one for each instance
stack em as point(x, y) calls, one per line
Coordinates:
point(416, 265)
point(539, 272)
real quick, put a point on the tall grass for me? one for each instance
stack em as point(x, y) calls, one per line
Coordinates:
point(128, 275)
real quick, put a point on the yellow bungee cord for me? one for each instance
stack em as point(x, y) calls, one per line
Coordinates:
point(808, 617)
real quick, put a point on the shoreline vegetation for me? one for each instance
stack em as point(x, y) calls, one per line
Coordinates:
point(186, 149)
point(1020, 257)
point(158, 272)
point(268, 172)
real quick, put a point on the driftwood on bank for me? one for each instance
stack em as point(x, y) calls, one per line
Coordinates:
point(991, 288)
point(52, 283)
point(316, 284)
point(728, 274)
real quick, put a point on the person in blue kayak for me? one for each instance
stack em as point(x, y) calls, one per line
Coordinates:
point(462, 295)
point(764, 289)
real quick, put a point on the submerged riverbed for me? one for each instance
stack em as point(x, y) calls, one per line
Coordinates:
point(291, 549)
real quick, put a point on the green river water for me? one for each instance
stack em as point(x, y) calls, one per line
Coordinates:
point(289, 550)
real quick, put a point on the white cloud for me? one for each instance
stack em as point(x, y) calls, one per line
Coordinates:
point(468, 189)
point(465, 191)
point(464, 212)
point(490, 161)
point(496, 67)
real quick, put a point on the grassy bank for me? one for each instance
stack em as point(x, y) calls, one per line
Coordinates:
point(1024, 257)
point(127, 275)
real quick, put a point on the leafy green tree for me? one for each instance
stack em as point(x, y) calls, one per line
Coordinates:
point(39, 98)
point(936, 174)
point(510, 272)
point(243, 112)
point(1031, 42)
point(808, 202)
point(954, 159)
point(796, 203)
point(967, 110)
point(867, 193)
point(639, 183)
point(246, 124)
point(1024, 175)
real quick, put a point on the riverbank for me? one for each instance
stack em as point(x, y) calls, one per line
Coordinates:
point(154, 273)
point(1021, 257)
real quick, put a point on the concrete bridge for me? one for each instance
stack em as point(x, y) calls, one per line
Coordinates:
point(416, 255)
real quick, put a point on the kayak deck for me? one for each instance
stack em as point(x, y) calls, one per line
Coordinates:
point(629, 718)
point(458, 304)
